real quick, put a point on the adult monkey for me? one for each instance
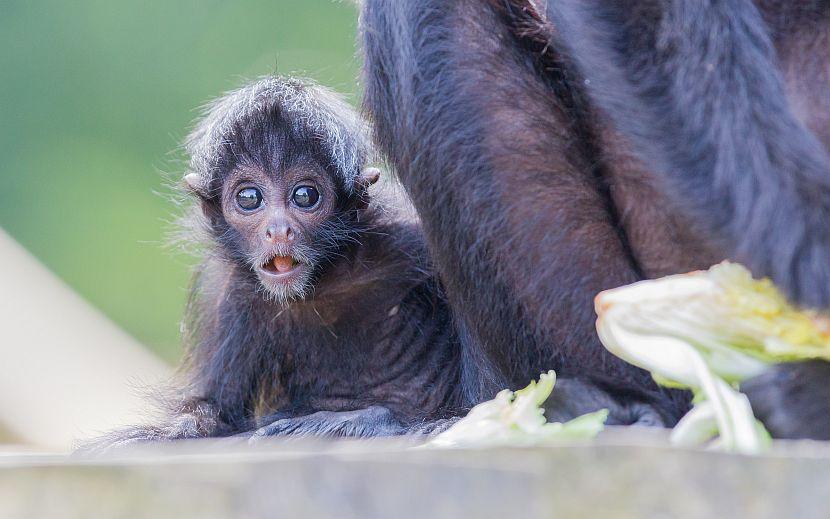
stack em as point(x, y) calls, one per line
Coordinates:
point(521, 131)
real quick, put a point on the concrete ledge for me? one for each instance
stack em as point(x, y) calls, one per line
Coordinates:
point(623, 475)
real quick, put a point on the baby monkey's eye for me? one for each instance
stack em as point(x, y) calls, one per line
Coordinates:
point(249, 198)
point(305, 196)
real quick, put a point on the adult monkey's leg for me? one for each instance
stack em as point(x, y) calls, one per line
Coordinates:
point(700, 92)
point(492, 155)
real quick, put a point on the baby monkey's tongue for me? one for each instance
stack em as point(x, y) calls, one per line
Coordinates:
point(283, 263)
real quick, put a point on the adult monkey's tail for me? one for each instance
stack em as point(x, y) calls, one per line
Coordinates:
point(695, 87)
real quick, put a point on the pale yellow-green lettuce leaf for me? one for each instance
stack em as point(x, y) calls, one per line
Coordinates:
point(517, 419)
point(708, 331)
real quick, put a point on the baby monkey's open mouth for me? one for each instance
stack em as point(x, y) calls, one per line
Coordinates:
point(280, 265)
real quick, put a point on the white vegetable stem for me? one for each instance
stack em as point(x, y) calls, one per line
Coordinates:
point(676, 360)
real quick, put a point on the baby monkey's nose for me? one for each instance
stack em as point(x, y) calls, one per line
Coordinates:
point(279, 233)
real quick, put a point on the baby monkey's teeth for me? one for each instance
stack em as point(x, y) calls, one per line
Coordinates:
point(283, 263)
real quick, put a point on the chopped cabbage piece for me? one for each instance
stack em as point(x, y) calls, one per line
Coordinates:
point(708, 331)
point(517, 419)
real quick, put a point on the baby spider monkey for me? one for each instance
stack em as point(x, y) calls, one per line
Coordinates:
point(315, 310)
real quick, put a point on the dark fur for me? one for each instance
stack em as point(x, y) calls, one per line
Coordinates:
point(792, 400)
point(552, 154)
point(736, 121)
point(715, 121)
point(502, 172)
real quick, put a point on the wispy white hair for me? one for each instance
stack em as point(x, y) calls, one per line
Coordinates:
point(311, 109)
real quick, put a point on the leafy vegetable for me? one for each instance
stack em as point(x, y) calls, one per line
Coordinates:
point(518, 419)
point(708, 331)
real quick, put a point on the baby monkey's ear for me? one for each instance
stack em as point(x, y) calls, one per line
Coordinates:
point(194, 184)
point(367, 177)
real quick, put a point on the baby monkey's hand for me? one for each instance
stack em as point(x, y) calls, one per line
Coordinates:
point(372, 421)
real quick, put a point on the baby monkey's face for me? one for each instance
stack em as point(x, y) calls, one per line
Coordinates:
point(286, 225)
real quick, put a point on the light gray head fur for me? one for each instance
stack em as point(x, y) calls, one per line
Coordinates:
point(312, 109)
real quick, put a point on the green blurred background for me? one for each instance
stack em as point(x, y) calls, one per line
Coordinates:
point(95, 98)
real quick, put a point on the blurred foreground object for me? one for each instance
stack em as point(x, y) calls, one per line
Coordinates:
point(517, 419)
point(624, 473)
point(67, 371)
point(708, 331)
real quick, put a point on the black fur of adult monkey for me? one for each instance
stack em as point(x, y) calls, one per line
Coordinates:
point(315, 311)
point(729, 102)
point(557, 148)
